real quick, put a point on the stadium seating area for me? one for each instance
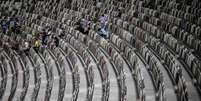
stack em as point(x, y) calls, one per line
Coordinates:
point(152, 52)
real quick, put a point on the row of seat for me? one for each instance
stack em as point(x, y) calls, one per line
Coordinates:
point(170, 41)
point(76, 45)
point(150, 36)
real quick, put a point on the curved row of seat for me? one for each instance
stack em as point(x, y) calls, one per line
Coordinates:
point(142, 43)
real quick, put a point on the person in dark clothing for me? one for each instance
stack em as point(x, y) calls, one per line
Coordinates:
point(83, 26)
point(4, 25)
point(44, 36)
point(56, 41)
point(86, 30)
point(102, 32)
point(15, 46)
point(14, 25)
point(178, 75)
point(18, 29)
point(120, 12)
point(61, 35)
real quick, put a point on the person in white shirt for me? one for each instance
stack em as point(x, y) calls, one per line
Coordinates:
point(26, 47)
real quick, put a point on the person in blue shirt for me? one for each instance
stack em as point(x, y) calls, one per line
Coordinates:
point(4, 25)
point(103, 30)
point(104, 20)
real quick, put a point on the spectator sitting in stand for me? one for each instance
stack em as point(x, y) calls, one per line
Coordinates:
point(62, 34)
point(103, 29)
point(15, 46)
point(26, 47)
point(83, 26)
point(86, 30)
point(102, 32)
point(37, 44)
point(104, 20)
point(14, 24)
point(18, 29)
point(56, 41)
point(4, 25)
point(44, 36)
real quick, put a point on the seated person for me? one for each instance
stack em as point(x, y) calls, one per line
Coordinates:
point(104, 20)
point(62, 33)
point(16, 46)
point(14, 24)
point(102, 32)
point(18, 29)
point(44, 37)
point(56, 41)
point(4, 25)
point(86, 30)
point(84, 26)
point(37, 44)
point(26, 47)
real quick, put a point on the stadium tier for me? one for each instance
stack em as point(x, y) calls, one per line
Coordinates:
point(100, 50)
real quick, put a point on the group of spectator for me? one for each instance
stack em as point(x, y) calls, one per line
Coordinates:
point(10, 24)
point(40, 39)
point(83, 25)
